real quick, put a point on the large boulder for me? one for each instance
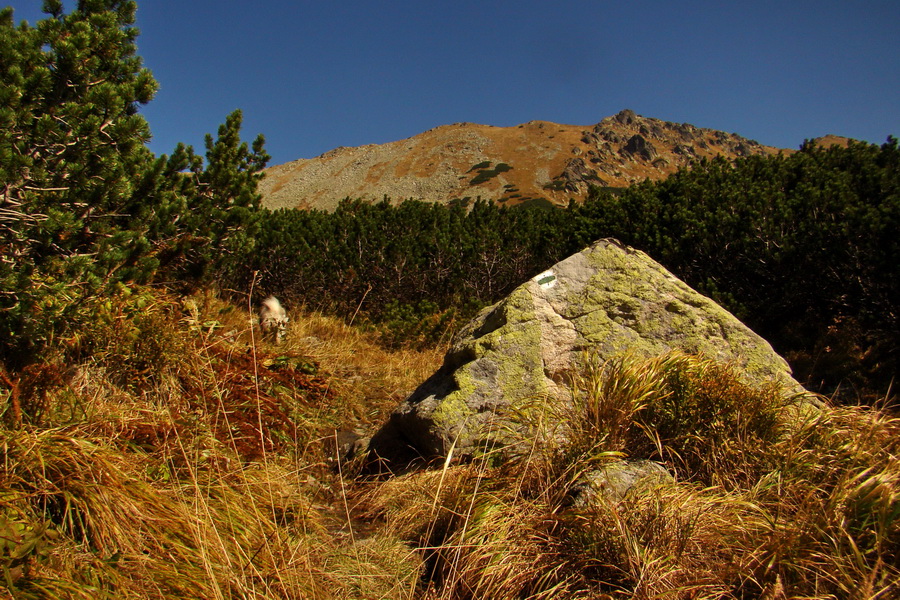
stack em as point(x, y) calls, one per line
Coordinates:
point(608, 299)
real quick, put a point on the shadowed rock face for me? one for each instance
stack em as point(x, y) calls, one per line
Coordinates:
point(608, 299)
point(638, 146)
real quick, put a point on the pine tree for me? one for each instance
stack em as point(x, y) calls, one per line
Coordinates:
point(223, 201)
point(85, 207)
point(71, 152)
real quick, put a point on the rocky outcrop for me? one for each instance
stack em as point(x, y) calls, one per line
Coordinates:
point(577, 176)
point(625, 117)
point(608, 299)
point(638, 146)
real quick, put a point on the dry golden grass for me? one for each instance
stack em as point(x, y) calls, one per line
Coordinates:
point(373, 379)
point(183, 458)
point(767, 501)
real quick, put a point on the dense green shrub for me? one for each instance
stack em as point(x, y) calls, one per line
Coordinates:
point(803, 248)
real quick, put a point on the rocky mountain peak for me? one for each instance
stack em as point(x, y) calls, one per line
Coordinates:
point(535, 162)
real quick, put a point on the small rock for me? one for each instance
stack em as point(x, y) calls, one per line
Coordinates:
point(616, 480)
point(345, 446)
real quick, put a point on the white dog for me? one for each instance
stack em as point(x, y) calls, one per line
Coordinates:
point(273, 319)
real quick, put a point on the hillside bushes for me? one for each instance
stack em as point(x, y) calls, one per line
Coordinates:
point(378, 258)
point(802, 248)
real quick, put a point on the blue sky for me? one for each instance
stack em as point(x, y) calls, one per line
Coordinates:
point(312, 76)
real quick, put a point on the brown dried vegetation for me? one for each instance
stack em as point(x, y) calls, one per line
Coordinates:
point(181, 458)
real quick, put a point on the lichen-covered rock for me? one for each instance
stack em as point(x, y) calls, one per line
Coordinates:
point(613, 482)
point(608, 299)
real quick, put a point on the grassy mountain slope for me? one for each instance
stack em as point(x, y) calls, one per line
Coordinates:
point(537, 159)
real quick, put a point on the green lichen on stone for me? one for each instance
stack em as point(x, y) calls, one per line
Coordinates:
point(621, 309)
point(452, 410)
point(607, 300)
point(510, 354)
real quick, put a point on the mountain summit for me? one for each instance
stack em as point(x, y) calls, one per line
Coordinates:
point(535, 161)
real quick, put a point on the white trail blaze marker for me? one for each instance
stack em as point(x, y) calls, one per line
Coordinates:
point(546, 280)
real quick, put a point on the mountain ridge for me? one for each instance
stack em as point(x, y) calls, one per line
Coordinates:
point(534, 161)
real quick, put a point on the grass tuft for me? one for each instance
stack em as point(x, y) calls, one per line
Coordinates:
point(180, 458)
point(766, 501)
